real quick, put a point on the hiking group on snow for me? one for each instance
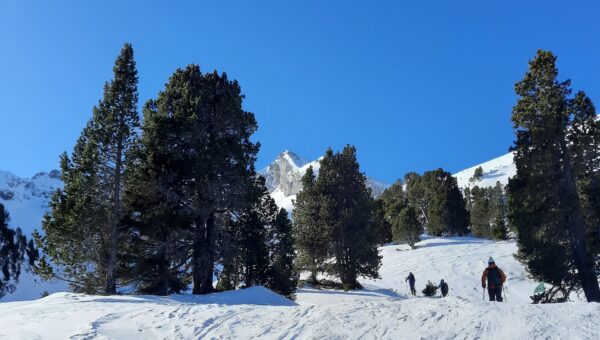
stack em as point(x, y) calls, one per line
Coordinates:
point(494, 276)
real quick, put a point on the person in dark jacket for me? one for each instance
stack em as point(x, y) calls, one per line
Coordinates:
point(443, 288)
point(411, 281)
point(495, 279)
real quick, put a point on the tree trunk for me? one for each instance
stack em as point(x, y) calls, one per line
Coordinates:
point(111, 267)
point(576, 228)
point(202, 259)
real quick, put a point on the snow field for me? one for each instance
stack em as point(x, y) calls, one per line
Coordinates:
point(382, 310)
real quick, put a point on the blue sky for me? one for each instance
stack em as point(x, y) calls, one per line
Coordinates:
point(414, 85)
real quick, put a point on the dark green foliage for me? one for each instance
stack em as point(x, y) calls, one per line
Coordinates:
point(256, 248)
point(311, 234)
point(430, 289)
point(480, 212)
point(584, 139)
point(83, 228)
point(436, 198)
point(333, 218)
point(346, 208)
point(406, 227)
point(392, 200)
point(477, 174)
point(283, 278)
point(13, 248)
point(487, 208)
point(546, 204)
point(380, 223)
point(196, 169)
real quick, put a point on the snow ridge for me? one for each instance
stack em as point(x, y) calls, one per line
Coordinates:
point(496, 170)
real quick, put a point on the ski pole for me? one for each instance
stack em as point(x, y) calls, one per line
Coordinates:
point(504, 291)
point(482, 293)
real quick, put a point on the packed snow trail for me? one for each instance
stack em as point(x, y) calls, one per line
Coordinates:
point(382, 310)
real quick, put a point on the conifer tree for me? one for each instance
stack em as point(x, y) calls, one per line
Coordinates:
point(442, 203)
point(498, 207)
point(283, 278)
point(311, 235)
point(83, 228)
point(544, 201)
point(480, 212)
point(406, 227)
point(199, 161)
point(13, 248)
point(393, 200)
point(346, 208)
point(584, 143)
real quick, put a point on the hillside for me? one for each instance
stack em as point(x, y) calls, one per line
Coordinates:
point(382, 310)
point(496, 170)
point(27, 199)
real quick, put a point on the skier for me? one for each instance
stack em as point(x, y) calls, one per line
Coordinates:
point(444, 288)
point(411, 281)
point(495, 279)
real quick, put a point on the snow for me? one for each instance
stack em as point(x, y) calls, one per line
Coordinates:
point(26, 201)
point(283, 201)
point(382, 310)
point(496, 170)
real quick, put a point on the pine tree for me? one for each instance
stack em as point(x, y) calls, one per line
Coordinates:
point(256, 228)
point(83, 228)
point(584, 144)
point(480, 212)
point(544, 201)
point(437, 195)
point(477, 174)
point(393, 200)
point(13, 248)
point(311, 235)
point(199, 163)
point(283, 279)
point(346, 208)
point(498, 212)
point(380, 223)
point(406, 227)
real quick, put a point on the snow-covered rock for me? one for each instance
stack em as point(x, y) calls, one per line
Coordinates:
point(283, 178)
point(382, 310)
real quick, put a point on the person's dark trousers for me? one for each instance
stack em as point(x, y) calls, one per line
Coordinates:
point(495, 293)
point(413, 291)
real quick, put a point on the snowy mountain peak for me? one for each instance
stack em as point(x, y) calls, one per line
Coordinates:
point(283, 178)
point(293, 159)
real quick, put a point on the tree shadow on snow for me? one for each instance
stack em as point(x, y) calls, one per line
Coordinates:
point(370, 291)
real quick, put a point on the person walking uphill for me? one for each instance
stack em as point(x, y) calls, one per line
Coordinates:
point(411, 281)
point(443, 287)
point(495, 279)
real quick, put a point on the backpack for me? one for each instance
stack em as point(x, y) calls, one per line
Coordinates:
point(444, 288)
point(494, 277)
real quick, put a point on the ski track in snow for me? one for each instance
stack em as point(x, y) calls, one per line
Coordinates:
point(382, 310)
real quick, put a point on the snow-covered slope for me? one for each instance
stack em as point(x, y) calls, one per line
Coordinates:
point(382, 310)
point(283, 178)
point(496, 170)
point(26, 200)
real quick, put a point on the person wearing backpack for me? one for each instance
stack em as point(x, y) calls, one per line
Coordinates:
point(443, 287)
point(495, 279)
point(411, 281)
